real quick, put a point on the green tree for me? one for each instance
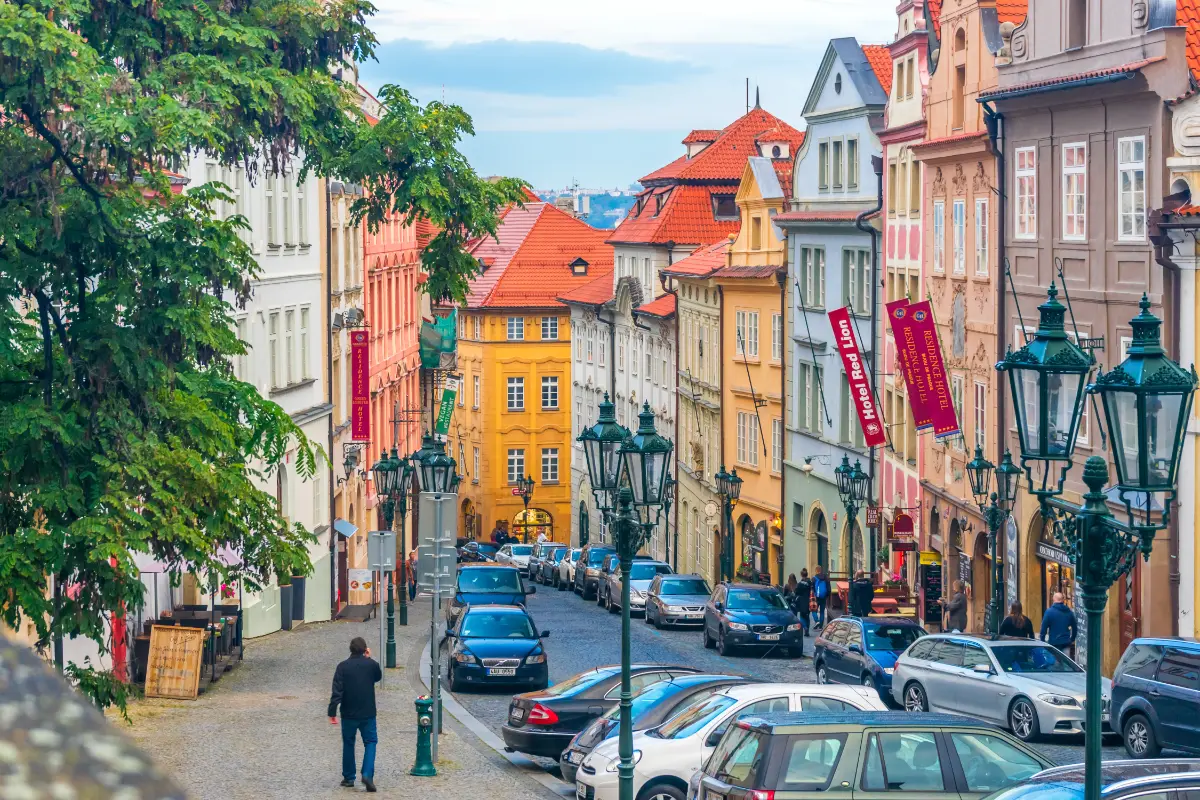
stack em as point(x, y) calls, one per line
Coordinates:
point(123, 430)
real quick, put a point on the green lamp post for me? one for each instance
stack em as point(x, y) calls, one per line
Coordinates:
point(980, 471)
point(1146, 401)
point(729, 486)
point(387, 474)
point(854, 489)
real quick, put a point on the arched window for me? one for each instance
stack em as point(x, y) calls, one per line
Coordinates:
point(584, 523)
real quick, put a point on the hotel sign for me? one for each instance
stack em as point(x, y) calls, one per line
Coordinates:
point(856, 376)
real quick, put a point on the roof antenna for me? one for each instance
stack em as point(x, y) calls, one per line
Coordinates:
point(757, 102)
point(747, 95)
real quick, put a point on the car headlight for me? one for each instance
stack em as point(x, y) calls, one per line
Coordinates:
point(888, 670)
point(675, 609)
point(615, 763)
point(796, 627)
point(464, 658)
point(1058, 699)
point(536, 658)
point(737, 626)
point(636, 595)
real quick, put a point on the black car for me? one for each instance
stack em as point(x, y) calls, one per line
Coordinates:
point(544, 723)
point(863, 651)
point(486, 583)
point(651, 707)
point(496, 645)
point(587, 573)
point(548, 565)
point(751, 615)
point(1155, 696)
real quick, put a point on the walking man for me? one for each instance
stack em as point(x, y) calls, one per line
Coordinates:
point(956, 609)
point(821, 592)
point(862, 593)
point(354, 690)
point(802, 600)
point(1059, 626)
point(412, 575)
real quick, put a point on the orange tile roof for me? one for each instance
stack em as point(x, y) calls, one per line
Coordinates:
point(879, 56)
point(725, 158)
point(1013, 10)
point(935, 13)
point(530, 197)
point(686, 218)
point(662, 306)
point(1187, 211)
point(958, 137)
point(817, 216)
point(529, 261)
point(766, 271)
point(1065, 81)
point(702, 262)
point(1187, 14)
point(596, 293)
point(701, 135)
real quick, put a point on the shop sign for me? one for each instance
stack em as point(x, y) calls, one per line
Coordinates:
point(872, 516)
point(869, 416)
point(930, 557)
point(903, 525)
point(360, 386)
point(446, 409)
point(964, 567)
point(1049, 552)
point(903, 546)
point(1010, 562)
point(920, 356)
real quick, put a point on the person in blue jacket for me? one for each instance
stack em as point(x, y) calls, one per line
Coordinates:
point(820, 590)
point(1059, 627)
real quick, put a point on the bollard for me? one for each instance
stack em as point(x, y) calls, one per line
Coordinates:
point(423, 767)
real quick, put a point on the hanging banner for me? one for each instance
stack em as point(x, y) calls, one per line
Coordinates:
point(360, 385)
point(446, 410)
point(856, 375)
point(920, 357)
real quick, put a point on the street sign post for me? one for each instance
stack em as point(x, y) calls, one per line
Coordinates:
point(437, 568)
point(381, 559)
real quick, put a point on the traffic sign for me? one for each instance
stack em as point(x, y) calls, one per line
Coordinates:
point(381, 550)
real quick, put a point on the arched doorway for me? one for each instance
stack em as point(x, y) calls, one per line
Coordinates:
point(820, 531)
point(528, 524)
point(470, 526)
point(746, 530)
point(760, 549)
point(585, 522)
point(981, 585)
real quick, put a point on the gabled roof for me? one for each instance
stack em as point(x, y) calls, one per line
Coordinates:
point(859, 68)
point(879, 57)
point(763, 271)
point(816, 216)
point(1187, 14)
point(528, 263)
point(701, 135)
point(725, 157)
point(596, 293)
point(702, 262)
point(662, 307)
point(686, 218)
point(766, 176)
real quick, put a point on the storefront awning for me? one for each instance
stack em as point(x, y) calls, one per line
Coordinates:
point(344, 527)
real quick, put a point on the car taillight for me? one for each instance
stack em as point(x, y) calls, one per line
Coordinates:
point(762, 794)
point(540, 715)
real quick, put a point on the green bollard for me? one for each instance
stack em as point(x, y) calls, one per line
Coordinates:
point(423, 767)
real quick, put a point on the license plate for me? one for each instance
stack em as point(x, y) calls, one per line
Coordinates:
point(695, 616)
point(502, 672)
point(515, 714)
point(580, 791)
point(709, 794)
point(570, 756)
point(767, 637)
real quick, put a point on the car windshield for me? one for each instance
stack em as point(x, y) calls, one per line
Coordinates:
point(503, 580)
point(575, 555)
point(891, 637)
point(749, 600)
point(695, 716)
point(522, 549)
point(646, 572)
point(584, 680)
point(489, 549)
point(494, 625)
point(684, 586)
point(1033, 658)
point(596, 556)
point(646, 699)
point(555, 555)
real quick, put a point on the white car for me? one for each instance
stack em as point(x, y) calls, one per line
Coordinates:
point(666, 757)
point(566, 570)
point(515, 554)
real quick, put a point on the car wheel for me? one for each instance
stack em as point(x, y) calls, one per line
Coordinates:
point(656, 621)
point(1023, 719)
point(723, 647)
point(454, 684)
point(610, 605)
point(1138, 736)
point(708, 642)
point(914, 698)
point(868, 681)
point(599, 597)
point(822, 673)
point(662, 791)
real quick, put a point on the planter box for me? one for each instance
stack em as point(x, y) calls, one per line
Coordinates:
point(285, 607)
point(298, 585)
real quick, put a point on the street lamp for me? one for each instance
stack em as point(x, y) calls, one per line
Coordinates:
point(388, 474)
point(672, 538)
point(641, 460)
point(436, 468)
point(1146, 401)
point(729, 486)
point(980, 471)
point(524, 490)
point(854, 489)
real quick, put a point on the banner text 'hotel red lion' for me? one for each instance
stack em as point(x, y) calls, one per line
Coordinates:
point(856, 375)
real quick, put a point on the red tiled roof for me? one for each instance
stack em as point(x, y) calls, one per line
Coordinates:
point(1067, 79)
point(726, 156)
point(370, 119)
point(1187, 211)
point(530, 197)
point(662, 306)
point(1012, 10)
point(879, 56)
point(702, 262)
point(817, 216)
point(958, 137)
point(767, 271)
point(701, 135)
point(686, 218)
point(596, 293)
point(530, 259)
point(1187, 14)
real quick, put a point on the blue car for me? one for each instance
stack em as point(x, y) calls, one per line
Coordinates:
point(494, 584)
point(863, 650)
point(496, 645)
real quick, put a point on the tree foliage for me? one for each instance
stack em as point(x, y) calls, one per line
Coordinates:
point(123, 430)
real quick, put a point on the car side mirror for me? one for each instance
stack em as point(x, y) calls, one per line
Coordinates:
point(855, 648)
point(451, 635)
point(714, 738)
point(983, 669)
point(545, 634)
point(530, 590)
point(719, 606)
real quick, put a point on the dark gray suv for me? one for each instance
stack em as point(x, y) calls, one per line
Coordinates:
point(1155, 694)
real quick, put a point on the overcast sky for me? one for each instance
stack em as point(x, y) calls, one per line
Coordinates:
point(603, 92)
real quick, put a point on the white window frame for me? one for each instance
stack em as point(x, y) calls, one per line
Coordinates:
point(1079, 171)
point(981, 237)
point(305, 318)
point(516, 464)
point(516, 329)
point(1025, 180)
point(747, 438)
point(549, 465)
point(301, 216)
point(812, 277)
point(289, 345)
point(549, 392)
point(776, 337)
point(516, 394)
point(550, 329)
point(1127, 200)
point(939, 235)
point(285, 195)
point(959, 223)
point(957, 391)
point(476, 325)
point(475, 465)
point(475, 387)
point(981, 415)
point(777, 445)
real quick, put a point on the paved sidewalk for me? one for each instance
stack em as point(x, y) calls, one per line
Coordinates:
point(261, 732)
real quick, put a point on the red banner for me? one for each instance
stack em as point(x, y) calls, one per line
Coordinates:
point(920, 356)
point(360, 386)
point(856, 375)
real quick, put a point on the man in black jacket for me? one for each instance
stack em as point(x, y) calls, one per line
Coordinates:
point(862, 592)
point(354, 690)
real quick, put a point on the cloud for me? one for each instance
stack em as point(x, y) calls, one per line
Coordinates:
point(547, 69)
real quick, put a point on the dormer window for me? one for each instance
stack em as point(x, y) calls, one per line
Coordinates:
point(660, 201)
point(776, 151)
point(837, 83)
point(773, 149)
point(725, 207)
point(579, 267)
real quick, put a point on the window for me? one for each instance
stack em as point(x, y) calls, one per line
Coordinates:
point(636, 358)
point(909, 78)
point(777, 445)
point(516, 394)
point(747, 438)
point(273, 349)
point(272, 192)
point(901, 186)
point(285, 193)
point(891, 188)
point(475, 391)
point(812, 277)
point(550, 393)
point(981, 237)
point(1131, 186)
point(304, 368)
point(301, 216)
point(1180, 668)
point(852, 433)
point(900, 67)
point(516, 464)
point(856, 278)
point(914, 188)
point(990, 763)
point(475, 322)
point(549, 465)
point(747, 333)
point(550, 328)
point(621, 353)
point(823, 165)
point(590, 345)
point(776, 337)
point(1026, 175)
point(1074, 175)
point(956, 397)
point(837, 163)
point(852, 163)
point(960, 230)
point(1076, 23)
point(725, 207)
point(939, 235)
point(903, 761)
point(959, 98)
point(974, 655)
point(739, 759)
point(980, 415)
point(809, 380)
point(516, 329)
point(756, 233)
point(289, 353)
point(649, 361)
point(1140, 661)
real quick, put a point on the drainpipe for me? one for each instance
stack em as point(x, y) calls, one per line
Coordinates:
point(861, 223)
point(333, 534)
point(670, 287)
point(782, 279)
point(726, 520)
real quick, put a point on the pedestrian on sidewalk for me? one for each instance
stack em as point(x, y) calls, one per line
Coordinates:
point(956, 610)
point(354, 690)
point(802, 600)
point(1016, 623)
point(821, 592)
point(862, 593)
point(412, 575)
point(1059, 627)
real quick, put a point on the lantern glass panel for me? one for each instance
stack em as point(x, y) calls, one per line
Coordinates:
point(591, 452)
point(1121, 410)
point(610, 454)
point(1006, 489)
point(1163, 419)
point(1027, 397)
point(634, 461)
point(654, 466)
point(1065, 391)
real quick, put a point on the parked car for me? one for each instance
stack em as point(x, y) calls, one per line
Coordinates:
point(496, 645)
point(809, 755)
point(863, 651)
point(565, 577)
point(543, 723)
point(676, 600)
point(488, 551)
point(548, 568)
point(1027, 686)
point(640, 576)
point(751, 615)
point(515, 554)
point(540, 553)
point(609, 566)
point(1146, 780)
point(486, 583)
point(652, 706)
point(672, 752)
point(587, 570)
point(1156, 695)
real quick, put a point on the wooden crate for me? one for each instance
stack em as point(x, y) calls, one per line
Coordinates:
point(176, 655)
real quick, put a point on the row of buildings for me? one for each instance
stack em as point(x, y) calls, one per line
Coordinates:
point(992, 148)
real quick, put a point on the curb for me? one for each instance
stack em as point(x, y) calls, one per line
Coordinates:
point(482, 732)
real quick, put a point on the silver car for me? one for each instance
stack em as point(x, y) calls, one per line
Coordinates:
point(565, 578)
point(640, 577)
point(677, 600)
point(517, 555)
point(1027, 686)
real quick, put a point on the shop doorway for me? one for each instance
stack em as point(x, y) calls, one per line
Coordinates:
point(1131, 605)
point(981, 586)
point(470, 526)
point(1056, 567)
point(585, 522)
point(821, 531)
point(527, 525)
